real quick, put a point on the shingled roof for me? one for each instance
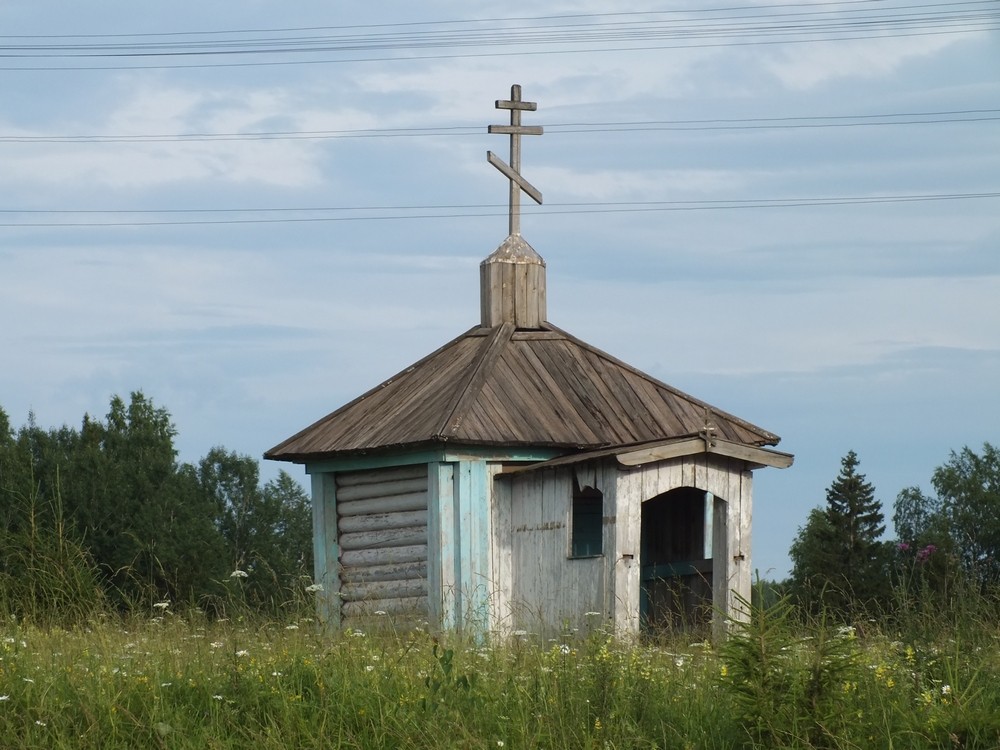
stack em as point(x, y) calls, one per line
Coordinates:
point(507, 387)
point(515, 381)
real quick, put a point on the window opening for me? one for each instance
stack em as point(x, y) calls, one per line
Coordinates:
point(587, 538)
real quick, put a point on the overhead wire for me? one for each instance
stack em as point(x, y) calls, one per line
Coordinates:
point(692, 27)
point(746, 123)
point(457, 211)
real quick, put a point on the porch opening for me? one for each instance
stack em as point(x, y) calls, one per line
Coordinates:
point(675, 558)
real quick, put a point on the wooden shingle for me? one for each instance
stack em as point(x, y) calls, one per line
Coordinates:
point(506, 387)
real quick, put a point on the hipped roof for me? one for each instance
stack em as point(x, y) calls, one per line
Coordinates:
point(508, 388)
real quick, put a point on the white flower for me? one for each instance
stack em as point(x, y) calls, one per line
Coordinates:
point(564, 649)
point(217, 697)
point(370, 668)
point(28, 679)
point(166, 684)
point(4, 698)
point(946, 690)
point(39, 722)
point(242, 652)
point(161, 605)
point(381, 612)
point(293, 626)
point(314, 588)
point(238, 574)
point(216, 644)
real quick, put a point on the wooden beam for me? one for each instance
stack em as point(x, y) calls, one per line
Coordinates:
point(717, 446)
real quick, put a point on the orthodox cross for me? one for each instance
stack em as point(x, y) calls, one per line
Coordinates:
point(513, 172)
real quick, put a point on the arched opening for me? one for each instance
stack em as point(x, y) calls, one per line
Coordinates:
point(675, 560)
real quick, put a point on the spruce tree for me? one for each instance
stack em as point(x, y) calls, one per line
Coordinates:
point(839, 563)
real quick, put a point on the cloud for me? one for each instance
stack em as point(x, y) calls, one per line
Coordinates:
point(150, 108)
point(805, 66)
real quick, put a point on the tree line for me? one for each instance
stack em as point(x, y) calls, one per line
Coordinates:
point(106, 512)
point(947, 544)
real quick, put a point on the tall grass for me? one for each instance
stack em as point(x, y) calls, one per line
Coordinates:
point(181, 681)
point(164, 679)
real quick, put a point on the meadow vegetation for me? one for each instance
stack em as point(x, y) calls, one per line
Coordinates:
point(167, 679)
point(146, 603)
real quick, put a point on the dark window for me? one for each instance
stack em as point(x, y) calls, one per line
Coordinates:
point(588, 514)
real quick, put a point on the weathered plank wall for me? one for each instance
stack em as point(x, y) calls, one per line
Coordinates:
point(548, 587)
point(731, 485)
point(382, 540)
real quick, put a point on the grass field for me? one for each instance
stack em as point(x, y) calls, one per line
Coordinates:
point(180, 681)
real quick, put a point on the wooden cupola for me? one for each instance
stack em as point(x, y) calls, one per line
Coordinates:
point(512, 278)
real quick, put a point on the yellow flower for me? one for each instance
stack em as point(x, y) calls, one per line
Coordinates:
point(597, 725)
point(723, 671)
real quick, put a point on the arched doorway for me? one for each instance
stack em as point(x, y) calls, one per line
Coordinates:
point(675, 560)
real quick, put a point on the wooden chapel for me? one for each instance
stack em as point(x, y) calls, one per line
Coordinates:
point(520, 479)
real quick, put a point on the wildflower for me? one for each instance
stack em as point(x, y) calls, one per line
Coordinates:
point(946, 690)
point(903, 546)
point(217, 697)
point(4, 698)
point(723, 671)
point(370, 668)
point(28, 679)
point(293, 626)
point(381, 612)
point(846, 631)
point(166, 684)
point(499, 743)
point(597, 725)
point(926, 552)
point(314, 588)
point(40, 723)
point(239, 574)
point(564, 649)
point(242, 653)
point(161, 605)
point(216, 644)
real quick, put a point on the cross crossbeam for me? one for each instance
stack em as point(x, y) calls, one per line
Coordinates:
point(513, 171)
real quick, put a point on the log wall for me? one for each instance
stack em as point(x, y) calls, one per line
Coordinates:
point(382, 538)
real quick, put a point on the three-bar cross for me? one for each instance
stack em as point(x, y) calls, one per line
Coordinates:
point(513, 172)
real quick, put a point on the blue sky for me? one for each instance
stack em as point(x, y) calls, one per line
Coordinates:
point(869, 325)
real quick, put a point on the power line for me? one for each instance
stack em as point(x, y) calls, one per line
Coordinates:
point(378, 213)
point(749, 123)
point(929, 19)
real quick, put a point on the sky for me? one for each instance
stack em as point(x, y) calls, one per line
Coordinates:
point(253, 212)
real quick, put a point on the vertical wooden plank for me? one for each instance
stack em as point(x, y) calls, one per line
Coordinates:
point(742, 575)
point(325, 549)
point(628, 502)
point(472, 531)
point(501, 563)
point(441, 545)
point(707, 540)
point(721, 567)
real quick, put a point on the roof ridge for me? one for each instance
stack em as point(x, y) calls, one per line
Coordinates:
point(769, 437)
point(490, 352)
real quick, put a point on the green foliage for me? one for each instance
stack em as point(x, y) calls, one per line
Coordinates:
point(839, 564)
point(113, 498)
point(179, 681)
point(956, 533)
point(45, 576)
